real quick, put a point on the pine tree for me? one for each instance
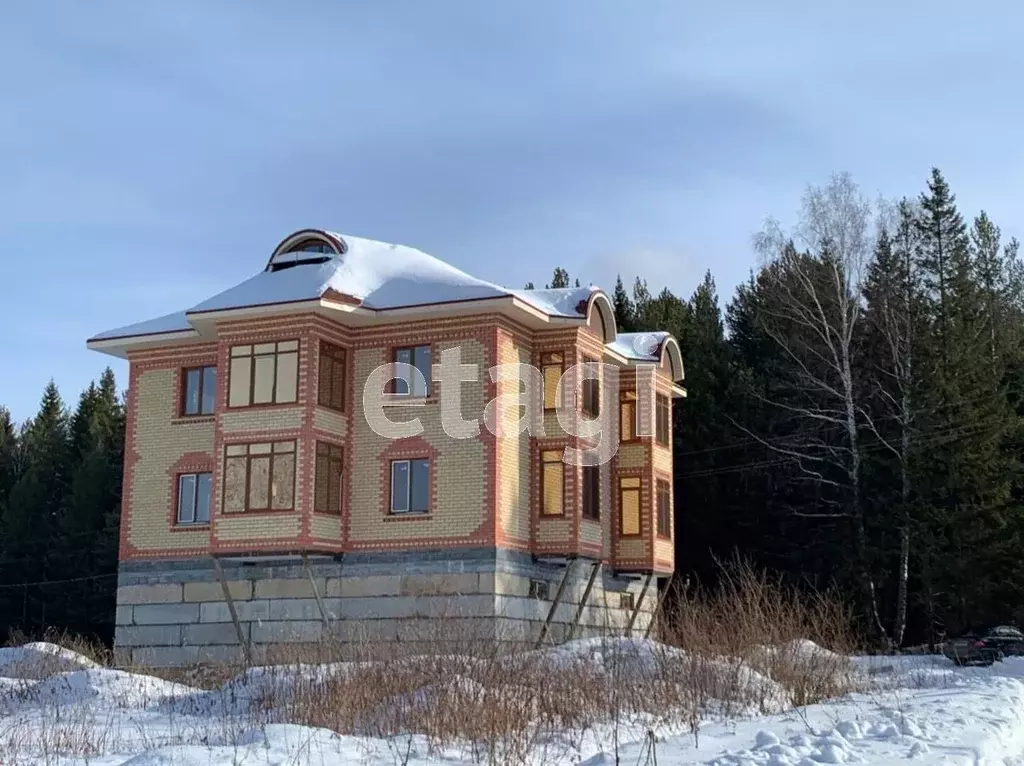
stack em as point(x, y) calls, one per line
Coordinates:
point(31, 521)
point(529, 286)
point(559, 279)
point(624, 312)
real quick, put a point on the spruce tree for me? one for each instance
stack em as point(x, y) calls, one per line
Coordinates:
point(624, 312)
point(559, 279)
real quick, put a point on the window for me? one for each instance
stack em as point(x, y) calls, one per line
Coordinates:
point(265, 373)
point(591, 396)
point(592, 492)
point(627, 417)
point(259, 477)
point(664, 508)
point(194, 498)
point(331, 386)
point(410, 486)
point(626, 601)
point(663, 422)
point(199, 391)
point(420, 358)
point(551, 366)
point(311, 246)
point(629, 505)
point(552, 482)
point(539, 589)
point(327, 492)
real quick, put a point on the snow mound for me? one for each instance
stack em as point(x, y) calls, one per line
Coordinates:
point(40, 659)
point(99, 686)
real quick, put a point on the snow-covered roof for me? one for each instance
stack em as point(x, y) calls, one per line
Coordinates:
point(378, 276)
point(641, 346)
point(170, 323)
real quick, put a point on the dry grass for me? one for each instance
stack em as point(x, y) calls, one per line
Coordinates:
point(738, 650)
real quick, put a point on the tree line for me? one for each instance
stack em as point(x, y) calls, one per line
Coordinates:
point(853, 420)
point(853, 417)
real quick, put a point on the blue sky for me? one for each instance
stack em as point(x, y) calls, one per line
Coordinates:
point(153, 154)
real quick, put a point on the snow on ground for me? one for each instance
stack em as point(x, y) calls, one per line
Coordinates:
point(916, 709)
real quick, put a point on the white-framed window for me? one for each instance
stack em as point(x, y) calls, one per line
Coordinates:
point(410, 486)
point(194, 492)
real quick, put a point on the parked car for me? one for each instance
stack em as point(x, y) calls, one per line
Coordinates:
point(985, 648)
point(1009, 639)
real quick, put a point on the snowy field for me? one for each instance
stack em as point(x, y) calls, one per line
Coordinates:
point(918, 709)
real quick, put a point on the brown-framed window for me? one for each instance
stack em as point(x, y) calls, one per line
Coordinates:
point(591, 395)
point(627, 416)
point(259, 477)
point(264, 373)
point(198, 390)
point(410, 486)
point(552, 483)
point(664, 500)
point(663, 420)
point(629, 506)
point(408, 384)
point(331, 385)
point(329, 468)
point(194, 492)
point(551, 366)
point(592, 492)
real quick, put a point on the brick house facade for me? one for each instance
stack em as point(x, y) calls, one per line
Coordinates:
point(261, 507)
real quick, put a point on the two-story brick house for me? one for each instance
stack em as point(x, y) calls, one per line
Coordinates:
point(262, 506)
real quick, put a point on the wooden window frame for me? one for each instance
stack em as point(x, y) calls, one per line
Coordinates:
point(590, 394)
point(639, 489)
point(391, 487)
point(559, 451)
point(547, 360)
point(183, 403)
point(334, 457)
point(663, 420)
point(249, 457)
point(253, 356)
point(334, 355)
point(591, 514)
point(628, 398)
point(393, 383)
point(663, 489)
point(178, 521)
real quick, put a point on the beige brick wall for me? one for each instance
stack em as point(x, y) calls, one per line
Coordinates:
point(334, 423)
point(284, 418)
point(591, 532)
point(664, 550)
point(160, 443)
point(326, 527)
point(257, 526)
point(460, 465)
point(513, 453)
point(633, 548)
point(632, 456)
point(556, 530)
point(662, 460)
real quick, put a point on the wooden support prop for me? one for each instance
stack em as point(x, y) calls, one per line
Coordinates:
point(639, 603)
point(246, 649)
point(657, 608)
point(316, 594)
point(583, 601)
point(554, 604)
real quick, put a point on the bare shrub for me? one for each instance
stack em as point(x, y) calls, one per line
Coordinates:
point(798, 639)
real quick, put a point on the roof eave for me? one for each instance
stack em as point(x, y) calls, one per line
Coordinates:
point(121, 345)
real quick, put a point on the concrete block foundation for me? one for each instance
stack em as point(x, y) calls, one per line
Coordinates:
point(172, 612)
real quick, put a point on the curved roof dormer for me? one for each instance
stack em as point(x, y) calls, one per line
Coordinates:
point(670, 352)
point(600, 315)
point(306, 246)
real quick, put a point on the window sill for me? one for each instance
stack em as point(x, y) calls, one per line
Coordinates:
point(190, 526)
point(664, 538)
point(260, 512)
point(408, 516)
point(182, 419)
point(328, 514)
point(400, 400)
point(591, 519)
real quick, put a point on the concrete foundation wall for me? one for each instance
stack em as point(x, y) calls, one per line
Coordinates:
point(173, 612)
